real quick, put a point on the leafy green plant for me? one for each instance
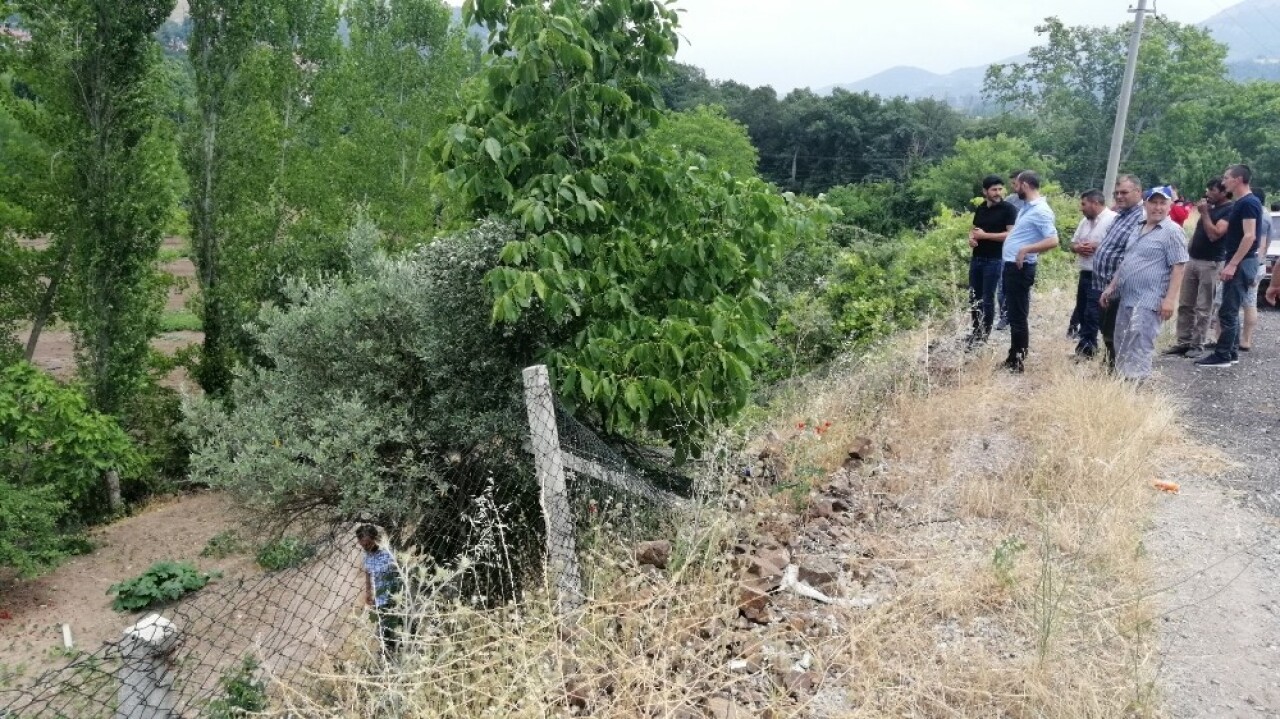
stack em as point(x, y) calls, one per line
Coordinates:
point(163, 582)
point(181, 321)
point(1004, 559)
point(243, 692)
point(224, 544)
point(284, 553)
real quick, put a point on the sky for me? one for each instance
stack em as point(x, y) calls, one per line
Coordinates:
point(816, 43)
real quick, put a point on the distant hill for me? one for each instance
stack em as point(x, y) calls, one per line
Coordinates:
point(1250, 30)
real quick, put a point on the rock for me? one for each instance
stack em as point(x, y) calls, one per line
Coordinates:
point(754, 603)
point(800, 684)
point(774, 555)
point(763, 569)
point(654, 554)
point(687, 712)
point(798, 624)
point(721, 708)
point(861, 448)
point(819, 572)
point(821, 508)
point(576, 691)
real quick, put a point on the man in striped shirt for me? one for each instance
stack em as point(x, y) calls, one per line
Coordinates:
point(1106, 260)
point(1145, 286)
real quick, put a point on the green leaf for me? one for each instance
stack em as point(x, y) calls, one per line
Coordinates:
point(493, 147)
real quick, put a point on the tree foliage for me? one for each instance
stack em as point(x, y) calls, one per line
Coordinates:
point(709, 132)
point(645, 266)
point(957, 180)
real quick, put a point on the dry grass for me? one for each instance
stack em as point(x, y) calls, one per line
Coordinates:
point(999, 533)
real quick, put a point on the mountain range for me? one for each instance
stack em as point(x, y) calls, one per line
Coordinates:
point(1250, 30)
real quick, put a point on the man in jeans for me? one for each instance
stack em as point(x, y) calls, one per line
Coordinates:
point(992, 221)
point(1097, 220)
point(1106, 260)
point(1200, 281)
point(1241, 270)
point(1033, 233)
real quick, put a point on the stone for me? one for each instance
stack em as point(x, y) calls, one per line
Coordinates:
point(722, 708)
point(774, 555)
point(754, 603)
point(861, 449)
point(576, 690)
point(819, 572)
point(763, 569)
point(821, 508)
point(800, 684)
point(654, 554)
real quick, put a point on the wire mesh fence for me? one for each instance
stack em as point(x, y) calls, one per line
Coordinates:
point(489, 543)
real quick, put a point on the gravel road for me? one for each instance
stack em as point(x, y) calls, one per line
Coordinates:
point(1216, 546)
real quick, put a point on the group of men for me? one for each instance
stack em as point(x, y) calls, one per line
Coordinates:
point(1136, 269)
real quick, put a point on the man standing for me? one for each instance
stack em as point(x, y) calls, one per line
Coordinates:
point(1241, 242)
point(1200, 280)
point(1017, 203)
point(1146, 284)
point(381, 588)
point(1128, 197)
point(1033, 233)
point(992, 221)
point(1250, 307)
point(1097, 220)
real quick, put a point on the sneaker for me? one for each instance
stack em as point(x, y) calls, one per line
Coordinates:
point(1245, 349)
point(1214, 360)
point(1012, 365)
point(1178, 350)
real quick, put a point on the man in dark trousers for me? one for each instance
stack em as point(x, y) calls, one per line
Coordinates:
point(382, 584)
point(1033, 233)
point(1241, 268)
point(1089, 233)
point(992, 221)
point(1200, 281)
point(1107, 258)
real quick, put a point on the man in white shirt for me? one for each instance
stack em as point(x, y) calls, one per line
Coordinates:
point(1087, 315)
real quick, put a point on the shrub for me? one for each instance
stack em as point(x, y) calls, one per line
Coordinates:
point(243, 693)
point(386, 396)
point(284, 553)
point(224, 544)
point(163, 582)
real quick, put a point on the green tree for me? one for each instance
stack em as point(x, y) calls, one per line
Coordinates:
point(91, 67)
point(1071, 85)
point(708, 131)
point(645, 267)
point(957, 180)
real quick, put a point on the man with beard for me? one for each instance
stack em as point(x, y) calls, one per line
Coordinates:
point(1200, 280)
point(992, 221)
point(1033, 233)
point(1107, 258)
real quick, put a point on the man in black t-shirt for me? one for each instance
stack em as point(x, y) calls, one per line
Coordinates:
point(1241, 268)
point(992, 221)
point(1200, 281)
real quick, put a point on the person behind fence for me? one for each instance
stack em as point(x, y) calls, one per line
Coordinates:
point(381, 587)
point(1146, 284)
point(1089, 233)
point(992, 221)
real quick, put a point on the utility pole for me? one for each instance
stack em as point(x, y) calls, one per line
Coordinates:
point(1126, 94)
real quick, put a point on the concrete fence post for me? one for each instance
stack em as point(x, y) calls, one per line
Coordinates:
point(146, 677)
point(562, 555)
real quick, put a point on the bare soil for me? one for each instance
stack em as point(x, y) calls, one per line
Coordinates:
point(32, 612)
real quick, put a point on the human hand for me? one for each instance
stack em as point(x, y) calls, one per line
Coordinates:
point(1229, 272)
point(1273, 294)
point(1088, 248)
point(1166, 309)
point(973, 242)
point(1022, 256)
point(1202, 206)
point(1105, 298)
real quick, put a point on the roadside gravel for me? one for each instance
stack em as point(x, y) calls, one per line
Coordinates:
point(1216, 545)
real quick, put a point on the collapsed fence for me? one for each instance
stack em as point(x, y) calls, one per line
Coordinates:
point(199, 656)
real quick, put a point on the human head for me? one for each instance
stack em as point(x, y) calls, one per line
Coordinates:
point(1013, 176)
point(1216, 192)
point(1027, 184)
point(1275, 207)
point(1262, 196)
point(1236, 178)
point(367, 537)
point(1158, 201)
point(1128, 192)
point(1092, 203)
point(993, 188)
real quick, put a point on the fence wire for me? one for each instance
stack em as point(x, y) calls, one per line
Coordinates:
point(483, 543)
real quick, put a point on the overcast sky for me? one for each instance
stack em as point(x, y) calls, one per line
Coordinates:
point(815, 43)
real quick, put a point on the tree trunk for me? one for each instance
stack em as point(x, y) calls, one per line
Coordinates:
point(45, 310)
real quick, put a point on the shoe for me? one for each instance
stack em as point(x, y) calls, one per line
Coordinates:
point(1245, 349)
point(1178, 350)
point(1214, 360)
point(1012, 365)
point(1002, 325)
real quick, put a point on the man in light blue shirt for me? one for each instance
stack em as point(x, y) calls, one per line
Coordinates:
point(1034, 232)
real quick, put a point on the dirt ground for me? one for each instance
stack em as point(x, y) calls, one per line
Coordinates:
point(1217, 544)
point(32, 612)
point(55, 351)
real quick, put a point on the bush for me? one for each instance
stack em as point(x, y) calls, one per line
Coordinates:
point(224, 544)
point(163, 582)
point(243, 693)
point(386, 396)
point(284, 553)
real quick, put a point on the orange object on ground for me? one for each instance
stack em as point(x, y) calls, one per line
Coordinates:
point(1170, 487)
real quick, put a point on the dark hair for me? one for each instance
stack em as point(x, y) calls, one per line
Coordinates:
point(1216, 184)
point(1275, 207)
point(1030, 178)
point(991, 181)
point(1094, 196)
point(367, 531)
point(1262, 197)
point(1015, 174)
point(1241, 172)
